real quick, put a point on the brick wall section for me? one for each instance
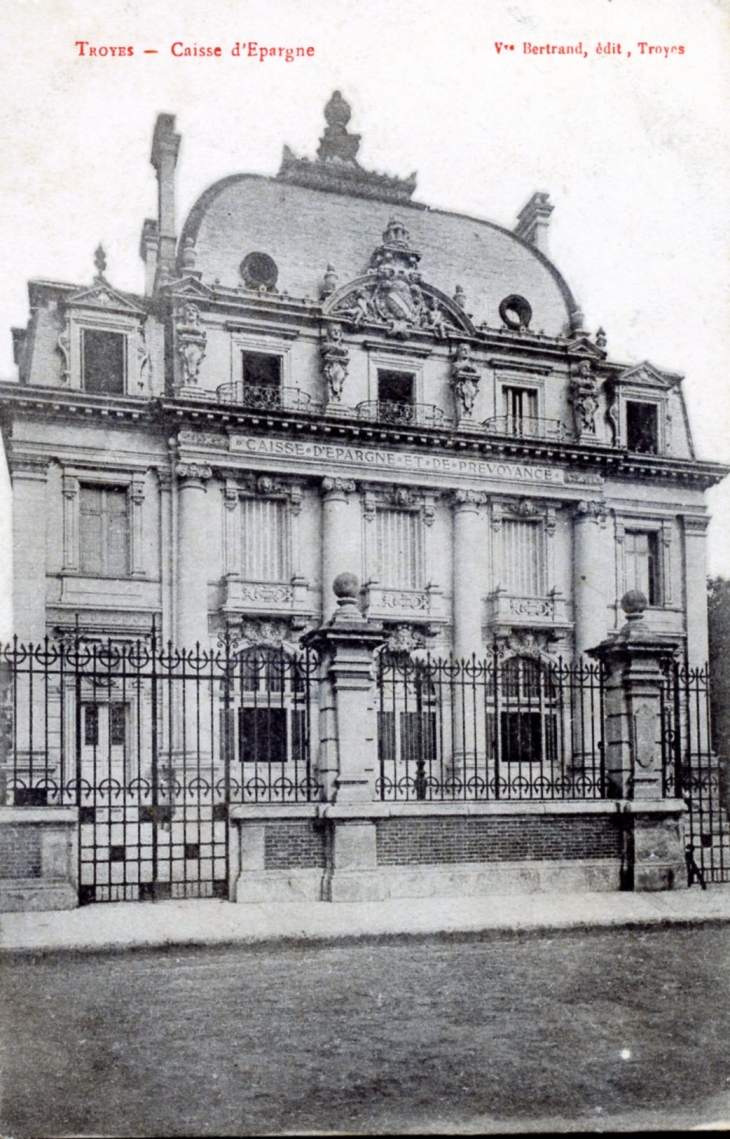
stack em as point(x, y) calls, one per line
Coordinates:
point(20, 852)
point(405, 842)
point(294, 845)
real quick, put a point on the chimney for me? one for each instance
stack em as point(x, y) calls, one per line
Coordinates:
point(533, 221)
point(149, 245)
point(165, 147)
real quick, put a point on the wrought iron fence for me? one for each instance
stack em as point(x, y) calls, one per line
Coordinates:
point(483, 729)
point(105, 718)
point(153, 745)
point(398, 413)
point(693, 772)
point(266, 397)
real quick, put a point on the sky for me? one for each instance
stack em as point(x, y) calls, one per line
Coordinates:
point(633, 149)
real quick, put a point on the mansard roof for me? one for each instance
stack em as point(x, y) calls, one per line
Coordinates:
point(327, 215)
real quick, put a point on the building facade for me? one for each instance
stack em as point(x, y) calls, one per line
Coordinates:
point(324, 376)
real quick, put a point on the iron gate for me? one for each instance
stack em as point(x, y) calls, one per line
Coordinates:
point(695, 773)
point(153, 745)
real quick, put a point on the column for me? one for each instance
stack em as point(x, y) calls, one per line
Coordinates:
point(192, 558)
point(469, 576)
point(593, 575)
point(29, 547)
point(341, 538)
point(634, 663)
point(468, 747)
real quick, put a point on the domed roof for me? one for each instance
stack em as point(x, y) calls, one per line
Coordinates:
point(331, 212)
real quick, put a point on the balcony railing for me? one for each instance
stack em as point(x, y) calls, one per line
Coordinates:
point(266, 397)
point(402, 414)
point(527, 427)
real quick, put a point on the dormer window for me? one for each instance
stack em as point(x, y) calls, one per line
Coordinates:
point(396, 387)
point(103, 361)
point(520, 409)
point(261, 370)
point(642, 427)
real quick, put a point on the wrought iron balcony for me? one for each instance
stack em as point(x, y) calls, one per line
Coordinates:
point(527, 427)
point(266, 397)
point(401, 414)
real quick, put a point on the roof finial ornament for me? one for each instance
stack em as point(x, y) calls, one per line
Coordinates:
point(100, 262)
point(337, 144)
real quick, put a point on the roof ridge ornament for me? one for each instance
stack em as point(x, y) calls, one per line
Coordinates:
point(336, 167)
point(100, 263)
point(337, 144)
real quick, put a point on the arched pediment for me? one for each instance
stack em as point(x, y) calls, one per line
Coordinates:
point(397, 302)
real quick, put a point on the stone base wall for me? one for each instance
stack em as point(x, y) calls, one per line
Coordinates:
point(376, 851)
point(38, 858)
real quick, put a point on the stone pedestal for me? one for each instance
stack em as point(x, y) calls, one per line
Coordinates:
point(634, 662)
point(38, 858)
point(348, 749)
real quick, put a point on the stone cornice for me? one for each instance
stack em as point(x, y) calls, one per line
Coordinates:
point(168, 415)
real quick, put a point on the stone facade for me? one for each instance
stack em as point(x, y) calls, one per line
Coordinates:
point(325, 377)
point(402, 397)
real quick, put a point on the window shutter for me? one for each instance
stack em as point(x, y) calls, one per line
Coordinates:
point(90, 531)
point(265, 554)
point(399, 549)
point(523, 569)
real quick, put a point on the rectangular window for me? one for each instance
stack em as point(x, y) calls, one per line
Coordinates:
point(395, 387)
point(523, 558)
point(91, 725)
point(642, 564)
point(103, 531)
point(520, 409)
point(96, 719)
point(399, 549)
point(261, 370)
point(642, 427)
point(117, 725)
point(529, 737)
point(103, 361)
point(262, 735)
point(265, 540)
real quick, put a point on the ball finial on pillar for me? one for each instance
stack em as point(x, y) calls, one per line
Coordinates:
point(346, 588)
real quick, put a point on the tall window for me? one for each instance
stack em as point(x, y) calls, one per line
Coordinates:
point(265, 539)
point(399, 549)
point(104, 531)
point(527, 720)
point(642, 564)
point(642, 427)
point(523, 558)
point(103, 361)
point(520, 408)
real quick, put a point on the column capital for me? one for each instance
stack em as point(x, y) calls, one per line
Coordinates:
point(590, 510)
point(468, 500)
point(194, 474)
point(337, 488)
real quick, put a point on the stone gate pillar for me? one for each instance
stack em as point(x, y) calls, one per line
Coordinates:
point(634, 661)
point(348, 746)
